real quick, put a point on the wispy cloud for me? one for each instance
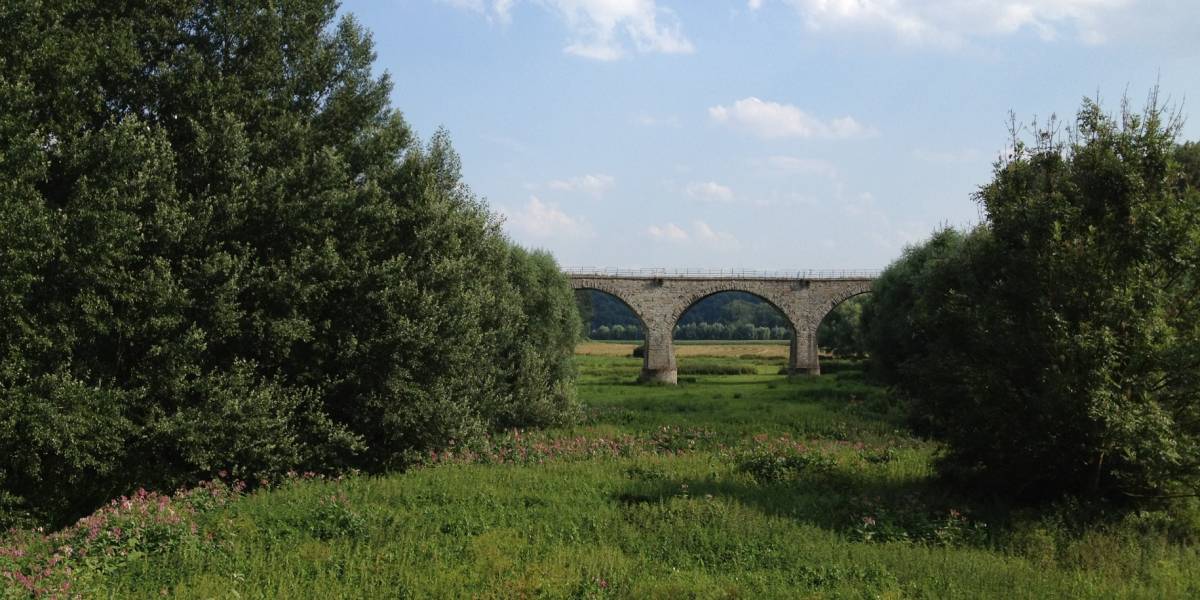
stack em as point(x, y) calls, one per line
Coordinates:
point(771, 120)
point(701, 234)
point(595, 184)
point(542, 220)
point(601, 29)
point(951, 22)
point(799, 164)
point(670, 232)
point(710, 236)
point(709, 191)
point(646, 120)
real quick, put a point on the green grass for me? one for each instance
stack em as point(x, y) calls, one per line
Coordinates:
point(730, 342)
point(739, 486)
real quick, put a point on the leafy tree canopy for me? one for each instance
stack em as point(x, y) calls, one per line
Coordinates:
point(220, 247)
point(1056, 348)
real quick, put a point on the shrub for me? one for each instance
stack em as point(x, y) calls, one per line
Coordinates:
point(1054, 348)
point(773, 463)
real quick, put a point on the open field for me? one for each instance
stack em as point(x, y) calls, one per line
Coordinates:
point(745, 486)
point(684, 349)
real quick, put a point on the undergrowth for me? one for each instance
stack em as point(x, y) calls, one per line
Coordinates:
point(726, 486)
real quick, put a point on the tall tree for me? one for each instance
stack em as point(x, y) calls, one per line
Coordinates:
point(222, 248)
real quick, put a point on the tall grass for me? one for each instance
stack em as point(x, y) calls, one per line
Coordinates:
point(725, 486)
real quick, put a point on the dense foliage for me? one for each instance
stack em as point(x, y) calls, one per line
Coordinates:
point(221, 248)
point(1055, 349)
point(841, 332)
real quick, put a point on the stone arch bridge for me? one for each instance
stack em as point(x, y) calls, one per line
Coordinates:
point(659, 297)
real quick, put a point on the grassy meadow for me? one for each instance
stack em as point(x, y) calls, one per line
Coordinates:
point(726, 486)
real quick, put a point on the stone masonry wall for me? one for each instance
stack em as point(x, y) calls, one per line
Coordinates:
point(660, 301)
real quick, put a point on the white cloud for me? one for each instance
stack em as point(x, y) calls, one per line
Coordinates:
point(774, 120)
point(542, 220)
point(646, 120)
point(710, 191)
point(754, 4)
point(595, 185)
point(670, 232)
point(601, 29)
point(950, 22)
point(701, 233)
point(494, 10)
point(597, 25)
point(797, 164)
point(708, 235)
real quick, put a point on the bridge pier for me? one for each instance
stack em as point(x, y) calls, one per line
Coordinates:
point(658, 362)
point(802, 357)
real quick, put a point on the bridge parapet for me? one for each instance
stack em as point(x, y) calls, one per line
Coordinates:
point(646, 273)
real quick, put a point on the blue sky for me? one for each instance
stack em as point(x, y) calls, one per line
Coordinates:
point(765, 134)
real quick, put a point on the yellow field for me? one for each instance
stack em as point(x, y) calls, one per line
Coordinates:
point(717, 350)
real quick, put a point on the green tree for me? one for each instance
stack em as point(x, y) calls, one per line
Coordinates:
point(220, 247)
point(583, 304)
point(537, 344)
point(841, 331)
point(1055, 350)
point(896, 316)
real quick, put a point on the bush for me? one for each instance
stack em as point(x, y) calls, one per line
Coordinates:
point(772, 464)
point(1054, 348)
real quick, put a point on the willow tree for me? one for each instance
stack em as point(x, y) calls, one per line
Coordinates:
point(1057, 348)
point(221, 247)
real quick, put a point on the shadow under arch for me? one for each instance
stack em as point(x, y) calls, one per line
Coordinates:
point(694, 303)
point(785, 326)
point(592, 293)
point(821, 320)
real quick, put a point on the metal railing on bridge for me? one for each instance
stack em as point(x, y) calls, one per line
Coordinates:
point(724, 273)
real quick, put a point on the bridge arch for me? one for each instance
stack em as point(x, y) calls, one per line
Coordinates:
point(692, 302)
point(659, 300)
point(823, 311)
point(694, 297)
point(836, 297)
point(641, 323)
